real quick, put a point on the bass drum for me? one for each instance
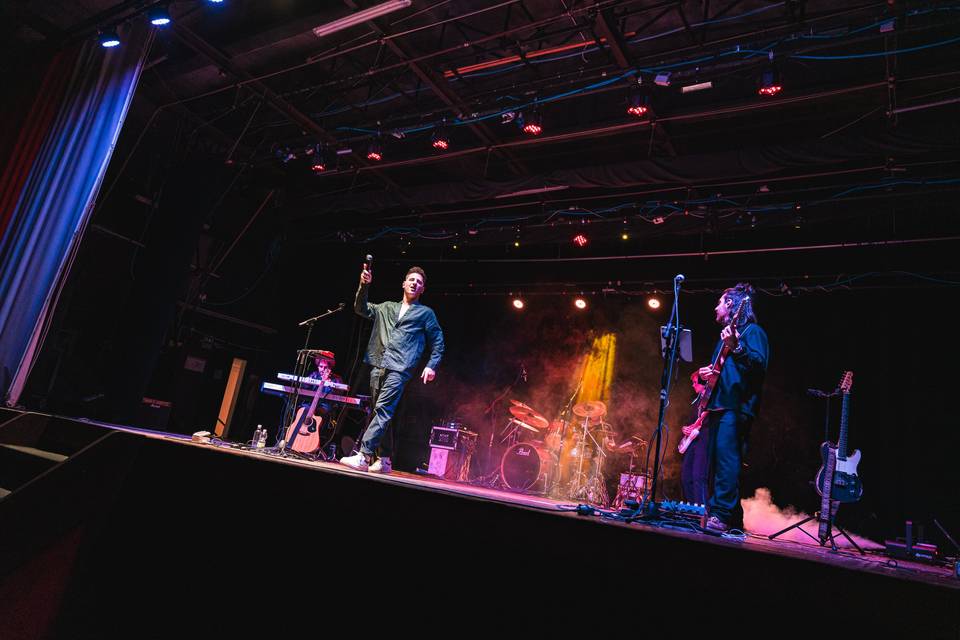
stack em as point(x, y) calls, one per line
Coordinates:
point(527, 466)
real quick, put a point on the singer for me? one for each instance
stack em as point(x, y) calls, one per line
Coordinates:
point(734, 403)
point(401, 333)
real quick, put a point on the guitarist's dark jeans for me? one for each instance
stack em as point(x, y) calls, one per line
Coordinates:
point(386, 388)
point(728, 439)
point(693, 473)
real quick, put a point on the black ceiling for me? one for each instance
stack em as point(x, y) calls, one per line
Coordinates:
point(865, 123)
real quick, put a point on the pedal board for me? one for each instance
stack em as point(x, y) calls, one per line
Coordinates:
point(685, 509)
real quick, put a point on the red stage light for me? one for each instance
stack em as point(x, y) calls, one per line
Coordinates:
point(318, 167)
point(532, 128)
point(580, 303)
point(375, 156)
point(771, 90)
point(580, 240)
point(638, 110)
point(441, 144)
point(518, 303)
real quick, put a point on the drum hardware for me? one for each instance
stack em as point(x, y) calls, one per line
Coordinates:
point(631, 484)
point(589, 487)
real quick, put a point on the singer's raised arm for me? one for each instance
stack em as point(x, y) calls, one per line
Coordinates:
point(360, 304)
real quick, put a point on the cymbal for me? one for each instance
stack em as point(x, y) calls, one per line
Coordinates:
point(592, 409)
point(631, 444)
point(525, 425)
point(529, 416)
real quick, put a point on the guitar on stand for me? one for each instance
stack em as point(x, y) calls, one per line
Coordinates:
point(303, 433)
point(704, 398)
point(837, 479)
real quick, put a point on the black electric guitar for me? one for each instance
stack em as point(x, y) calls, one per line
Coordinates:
point(704, 398)
point(837, 479)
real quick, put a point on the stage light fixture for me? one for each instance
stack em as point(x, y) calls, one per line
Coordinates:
point(580, 240)
point(215, 1)
point(109, 39)
point(159, 16)
point(518, 303)
point(375, 151)
point(360, 16)
point(624, 236)
point(653, 302)
point(440, 140)
point(533, 123)
point(319, 158)
point(580, 303)
point(770, 83)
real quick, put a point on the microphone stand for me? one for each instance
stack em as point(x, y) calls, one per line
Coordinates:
point(485, 479)
point(298, 370)
point(650, 510)
point(555, 490)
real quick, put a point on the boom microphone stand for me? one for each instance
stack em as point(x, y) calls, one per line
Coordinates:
point(300, 368)
point(648, 507)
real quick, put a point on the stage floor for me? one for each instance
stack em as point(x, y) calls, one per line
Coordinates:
point(795, 545)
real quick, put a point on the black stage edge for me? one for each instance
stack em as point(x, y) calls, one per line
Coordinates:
point(137, 536)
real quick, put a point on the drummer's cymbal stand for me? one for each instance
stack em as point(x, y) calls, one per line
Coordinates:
point(509, 437)
point(590, 489)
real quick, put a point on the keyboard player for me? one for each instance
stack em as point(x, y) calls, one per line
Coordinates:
point(324, 361)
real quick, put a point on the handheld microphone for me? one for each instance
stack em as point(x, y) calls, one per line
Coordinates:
point(368, 265)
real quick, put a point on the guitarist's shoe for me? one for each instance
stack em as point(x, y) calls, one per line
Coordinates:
point(716, 524)
point(382, 465)
point(357, 461)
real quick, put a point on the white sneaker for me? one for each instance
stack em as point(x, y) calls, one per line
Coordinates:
point(357, 461)
point(382, 465)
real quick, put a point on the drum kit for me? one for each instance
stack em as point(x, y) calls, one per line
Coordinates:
point(560, 458)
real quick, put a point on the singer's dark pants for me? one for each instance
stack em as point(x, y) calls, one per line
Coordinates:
point(728, 441)
point(386, 389)
point(693, 473)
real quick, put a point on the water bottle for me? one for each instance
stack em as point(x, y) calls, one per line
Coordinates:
point(255, 441)
point(262, 441)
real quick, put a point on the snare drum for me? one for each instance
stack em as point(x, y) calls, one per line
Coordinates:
point(526, 466)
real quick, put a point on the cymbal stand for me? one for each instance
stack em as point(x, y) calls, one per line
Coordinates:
point(623, 491)
point(511, 435)
point(590, 489)
point(555, 489)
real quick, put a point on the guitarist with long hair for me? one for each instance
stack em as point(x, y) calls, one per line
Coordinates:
point(734, 392)
point(693, 472)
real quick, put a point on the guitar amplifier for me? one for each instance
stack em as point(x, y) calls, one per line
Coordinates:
point(450, 451)
point(454, 438)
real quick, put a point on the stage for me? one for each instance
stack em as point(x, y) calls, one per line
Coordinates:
point(134, 521)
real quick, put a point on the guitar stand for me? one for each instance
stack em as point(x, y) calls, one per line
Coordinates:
point(831, 526)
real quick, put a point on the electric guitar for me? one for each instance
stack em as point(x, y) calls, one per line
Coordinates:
point(303, 434)
point(704, 398)
point(845, 485)
point(837, 480)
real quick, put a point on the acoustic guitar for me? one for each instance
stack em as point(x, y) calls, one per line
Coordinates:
point(303, 433)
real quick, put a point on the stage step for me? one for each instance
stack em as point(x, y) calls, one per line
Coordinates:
point(33, 443)
point(19, 465)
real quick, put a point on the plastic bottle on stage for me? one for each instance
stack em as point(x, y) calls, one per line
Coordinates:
point(262, 440)
point(255, 440)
